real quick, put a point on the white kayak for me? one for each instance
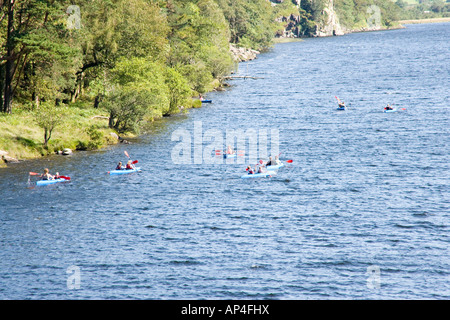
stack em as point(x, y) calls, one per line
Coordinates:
point(275, 167)
point(259, 175)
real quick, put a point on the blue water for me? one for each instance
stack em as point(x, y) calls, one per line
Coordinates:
point(361, 213)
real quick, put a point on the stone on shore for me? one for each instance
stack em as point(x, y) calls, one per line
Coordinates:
point(114, 135)
point(66, 151)
point(7, 159)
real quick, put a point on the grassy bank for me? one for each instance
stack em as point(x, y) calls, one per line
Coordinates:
point(286, 40)
point(417, 21)
point(80, 129)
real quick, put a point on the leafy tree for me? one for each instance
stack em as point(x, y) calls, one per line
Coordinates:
point(199, 42)
point(179, 90)
point(137, 88)
point(33, 33)
point(127, 109)
point(252, 22)
point(48, 117)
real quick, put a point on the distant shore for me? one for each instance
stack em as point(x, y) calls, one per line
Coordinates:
point(433, 20)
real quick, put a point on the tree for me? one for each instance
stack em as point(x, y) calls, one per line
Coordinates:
point(199, 42)
point(179, 90)
point(137, 88)
point(251, 22)
point(126, 108)
point(35, 33)
point(48, 117)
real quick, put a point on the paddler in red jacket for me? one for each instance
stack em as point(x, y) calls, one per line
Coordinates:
point(130, 165)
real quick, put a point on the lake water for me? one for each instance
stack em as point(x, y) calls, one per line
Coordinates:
point(362, 212)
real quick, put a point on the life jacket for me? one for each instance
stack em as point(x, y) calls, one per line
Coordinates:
point(119, 167)
point(47, 177)
point(129, 167)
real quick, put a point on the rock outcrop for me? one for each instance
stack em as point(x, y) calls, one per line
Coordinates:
point(326, 22)
point(330, 24)
point(242, 54)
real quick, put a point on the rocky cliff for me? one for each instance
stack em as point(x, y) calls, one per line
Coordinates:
point(316, 18)
point(329, 23)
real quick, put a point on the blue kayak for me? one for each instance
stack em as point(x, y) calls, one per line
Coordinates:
point(124, 171)
point(275, 167)
point(259, 175)
point(341, 108)
point(206, 101)
point(47, 182)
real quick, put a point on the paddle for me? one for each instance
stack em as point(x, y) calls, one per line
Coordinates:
point(288, 161)
point(339, 102)
point(128, 156)
point(64, 177)
point(134, 162)
point(238, 152)
point(393, 108)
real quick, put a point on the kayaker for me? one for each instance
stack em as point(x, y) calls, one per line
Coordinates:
point(270, 162)
point(260, 169)
point(388, 107)
point(130, 165)
point(277, 161)
point(249, 170)
point(229, 150)
point(57, 176)
point(341, 104)
point(119, 166)
point(46, 175)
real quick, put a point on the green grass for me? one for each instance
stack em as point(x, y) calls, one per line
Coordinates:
point(23, 139)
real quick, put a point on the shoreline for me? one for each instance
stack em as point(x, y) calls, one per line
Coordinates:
point(421, 21)
point(363, 30)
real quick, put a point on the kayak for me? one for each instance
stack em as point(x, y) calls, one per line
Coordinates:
point(229, 155)
point(341, 108)
point(393, 110)
point(124, 171)
point(275, 167)
point(206, 101)
point(47, 182)
point(259, 175)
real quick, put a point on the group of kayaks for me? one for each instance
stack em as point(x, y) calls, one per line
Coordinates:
point(266, 170)
point(387, 109)
point(47, 179)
